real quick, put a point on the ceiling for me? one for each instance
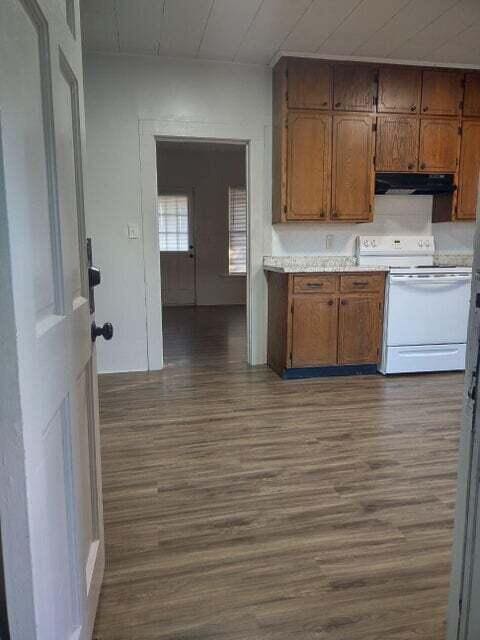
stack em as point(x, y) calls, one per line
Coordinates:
point(255, 31)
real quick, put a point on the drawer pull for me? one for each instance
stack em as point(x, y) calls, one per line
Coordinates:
point(360, 283)
point(315, 284)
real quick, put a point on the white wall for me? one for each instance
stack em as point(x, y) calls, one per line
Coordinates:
point(120, 90)
point(402, 215)
point(208, 171)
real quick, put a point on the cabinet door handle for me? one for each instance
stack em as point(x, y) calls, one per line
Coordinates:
point(324, 104)
point(343, 303)
point(330, 303)
point(423, 165)
point(425, 108)
point(411, 165)
point(413, 108)
point(338, 104)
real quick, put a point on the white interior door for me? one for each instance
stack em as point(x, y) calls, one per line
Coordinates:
point(177, 255)
point(50, 494)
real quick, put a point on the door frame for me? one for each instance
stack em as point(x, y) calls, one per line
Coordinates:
point(258, 236)
point(190, 193)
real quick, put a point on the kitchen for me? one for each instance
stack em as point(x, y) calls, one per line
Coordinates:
point(379, 164)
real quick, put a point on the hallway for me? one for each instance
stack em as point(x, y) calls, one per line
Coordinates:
point(242, 507)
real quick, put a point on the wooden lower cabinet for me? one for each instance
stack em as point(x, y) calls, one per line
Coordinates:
point(314, 330)
point(308, 327)
point(360, 321)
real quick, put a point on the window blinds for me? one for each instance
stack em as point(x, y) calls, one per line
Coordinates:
point(237, 254)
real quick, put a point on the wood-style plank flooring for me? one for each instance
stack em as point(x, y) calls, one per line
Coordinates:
point(242, 507)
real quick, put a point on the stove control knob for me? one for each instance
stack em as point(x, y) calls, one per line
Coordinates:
point(374, 243)
point(427, 243)
point(366, 243)
point(420, 243)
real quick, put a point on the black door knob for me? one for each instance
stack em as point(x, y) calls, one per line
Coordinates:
point(106, 331)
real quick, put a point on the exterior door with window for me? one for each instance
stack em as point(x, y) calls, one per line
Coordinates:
point(177, 251)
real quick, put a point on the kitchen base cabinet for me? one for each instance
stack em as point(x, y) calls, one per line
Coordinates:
point(330, 324)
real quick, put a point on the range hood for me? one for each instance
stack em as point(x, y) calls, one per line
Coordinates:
point(414, 184)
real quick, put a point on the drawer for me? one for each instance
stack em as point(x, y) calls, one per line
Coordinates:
point(362, 282)
point(315, 284)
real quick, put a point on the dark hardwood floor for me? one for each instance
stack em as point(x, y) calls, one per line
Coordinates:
point(242, 507)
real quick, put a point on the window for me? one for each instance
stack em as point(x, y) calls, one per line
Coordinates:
point(237, 231)
point(173, 222)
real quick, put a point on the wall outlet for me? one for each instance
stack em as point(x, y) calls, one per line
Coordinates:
point(329, 241)
point(133, 231)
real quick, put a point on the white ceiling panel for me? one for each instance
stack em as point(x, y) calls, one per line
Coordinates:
point(139, 25)
point(464, 49)
point(256, 31)
point(416, 15)
point(99, 25)
point(321, 19)
point(229, 21)
point(273, 22)
point(444, 28)
point(361, 24)
point(183, 25)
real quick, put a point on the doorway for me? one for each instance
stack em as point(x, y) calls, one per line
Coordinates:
point(203, 248)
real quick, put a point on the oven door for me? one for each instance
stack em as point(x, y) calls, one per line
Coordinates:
point(427, 309)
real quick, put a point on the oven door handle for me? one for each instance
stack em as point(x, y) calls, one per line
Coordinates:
point(429, 280)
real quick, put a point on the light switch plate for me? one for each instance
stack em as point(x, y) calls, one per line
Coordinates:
point(133, 231)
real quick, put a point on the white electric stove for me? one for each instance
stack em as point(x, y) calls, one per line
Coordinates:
point(426, 306)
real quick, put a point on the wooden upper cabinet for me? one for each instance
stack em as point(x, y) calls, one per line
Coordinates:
point(439, 145)
point(397, 143)
point(471, 99)
point(469, 171)
point(309, 140)
point(442, 92)
point(354, 87)
point(352, 168)
point(360, 322)
point(399, 89)
point(314, 330)
point(309, 84)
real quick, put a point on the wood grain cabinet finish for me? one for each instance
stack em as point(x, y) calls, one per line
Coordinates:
point(471, 99)
point(354, 87)
point(309, 84)
point(397, 143)
point(352, 168)
point(359, 329)
point(308, 165)
point(439, 145)
point(442, 92)
point(310, 327)
point(314, 331)
point(399, 89)
point(469, 172)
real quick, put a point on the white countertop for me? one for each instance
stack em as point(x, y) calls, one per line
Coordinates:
point(333, 264)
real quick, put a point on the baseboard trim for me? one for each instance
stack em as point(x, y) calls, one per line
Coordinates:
point(324, 372)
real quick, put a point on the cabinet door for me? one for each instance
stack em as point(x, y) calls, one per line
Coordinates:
point(471, 100)
point(439, 145)
point(359, 330)
point(308, 165)
point(309, 84)
point(354, 87)
point(399, 89)
point(442, 92)
point(314, 331)
point(352, 168)
point(469, 171)
point(397, 143)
